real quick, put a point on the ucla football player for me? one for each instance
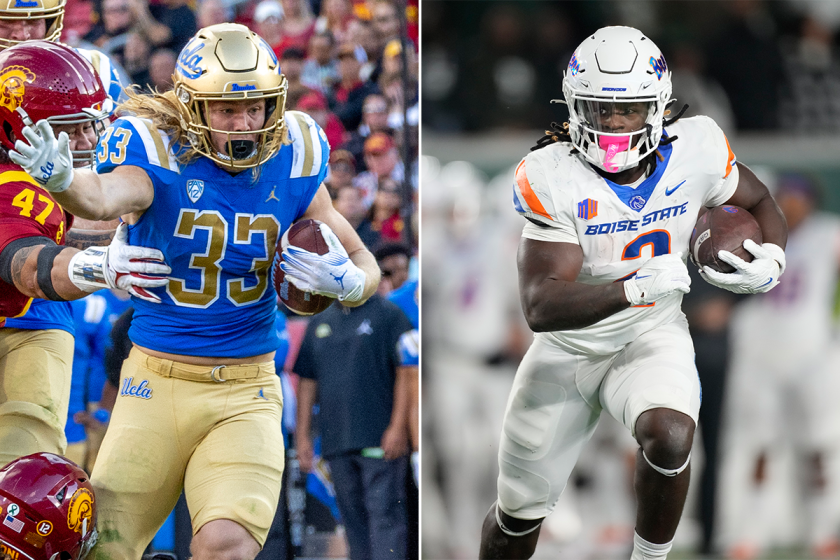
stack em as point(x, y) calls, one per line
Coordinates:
point(610, 201)
point(211, 173)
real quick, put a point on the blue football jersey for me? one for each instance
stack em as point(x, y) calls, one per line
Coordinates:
point(218, 232)
point(406, 299)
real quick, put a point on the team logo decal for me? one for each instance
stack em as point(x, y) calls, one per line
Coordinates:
point(574, 66)
point(10, 519)
point(195, 188)
point(637, 202)
point(44, 528)
point(587, 209)
point(80, 512)
point(8, 552)
point(25, 4)
point(140, 391)
point(659, 66)
point(188, 61)
point(13, 86)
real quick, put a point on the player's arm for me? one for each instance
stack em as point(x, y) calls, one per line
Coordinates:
point(90, 233)
point(307, 390)
point(763, 272)
point(319, 273)
point(39, 268)
point(553, 301)
point(127, 189)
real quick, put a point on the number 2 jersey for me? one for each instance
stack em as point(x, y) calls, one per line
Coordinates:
point(218, 232)
point(26, 210)
point(620, 227)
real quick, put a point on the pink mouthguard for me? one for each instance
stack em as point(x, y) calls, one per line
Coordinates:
point(613, 145)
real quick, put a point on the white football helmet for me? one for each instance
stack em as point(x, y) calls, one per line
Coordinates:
point(617, 70)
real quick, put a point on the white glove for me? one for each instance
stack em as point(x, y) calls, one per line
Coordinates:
point(45, 159)
point(659, 277)
point(120, 265)
point(755, 277)
point(332, 274)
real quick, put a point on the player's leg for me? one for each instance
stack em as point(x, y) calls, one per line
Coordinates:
point(139, 474)
point(547, 422)
point(384, 497)
point(35, 372)
point(234, 476)
point(654, 390)
point(346, 474)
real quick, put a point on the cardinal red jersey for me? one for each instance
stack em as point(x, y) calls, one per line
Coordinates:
point(26, 210)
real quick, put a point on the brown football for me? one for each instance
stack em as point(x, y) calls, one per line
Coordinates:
point(305, 234)
point(723, 228)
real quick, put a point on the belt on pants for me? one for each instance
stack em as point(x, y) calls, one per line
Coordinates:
point(191, 372)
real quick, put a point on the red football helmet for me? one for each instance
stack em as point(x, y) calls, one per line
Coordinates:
point(43, 80)
point(47, 509)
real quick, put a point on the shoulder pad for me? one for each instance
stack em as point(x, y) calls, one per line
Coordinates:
point(532, 193)
point(704, 136)
point(134, 141)
point(309, 144)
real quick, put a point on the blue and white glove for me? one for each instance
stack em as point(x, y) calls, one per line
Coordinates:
point(659, 277)
point(332, 274)
point(44, 158)
point(120, 265)
point(755, 277)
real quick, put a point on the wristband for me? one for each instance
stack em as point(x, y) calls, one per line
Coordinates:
point(46, 258)
point(86, 269)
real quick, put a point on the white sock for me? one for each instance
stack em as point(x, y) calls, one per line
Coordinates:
point(644, 550)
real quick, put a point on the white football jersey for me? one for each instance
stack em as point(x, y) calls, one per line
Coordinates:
point(620, 227)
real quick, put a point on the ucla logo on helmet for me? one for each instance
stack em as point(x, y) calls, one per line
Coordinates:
point(574, 66)
point(195, 188)
point(659, 66)
point(188, 60)
point(13, 86)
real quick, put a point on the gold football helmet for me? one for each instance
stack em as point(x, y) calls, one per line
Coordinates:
point(229, 62)
point(50, 10)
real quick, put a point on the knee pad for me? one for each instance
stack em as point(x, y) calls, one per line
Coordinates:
point(667, 472)
point(508, 531)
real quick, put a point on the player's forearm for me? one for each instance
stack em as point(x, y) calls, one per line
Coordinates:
point(402, 395)
point(773, 224)
point(558, 305)
point(306, 400)
point(88, 233)
point(88, 196)
point(24, 274)
point(366, 261)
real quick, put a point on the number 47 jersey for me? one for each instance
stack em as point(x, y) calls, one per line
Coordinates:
point(218, 232)
point(620, 227)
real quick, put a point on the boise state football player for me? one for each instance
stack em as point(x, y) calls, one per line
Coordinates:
point(211, 173)
point(51, 83)
point(611, 200)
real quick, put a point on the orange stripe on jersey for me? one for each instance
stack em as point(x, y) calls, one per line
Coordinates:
point(528, 193)
point(13, 176)
point(730, 159)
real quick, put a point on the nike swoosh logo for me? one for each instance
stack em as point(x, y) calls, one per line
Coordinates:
point(669, 192)
point(640, 277)
point(769, 281)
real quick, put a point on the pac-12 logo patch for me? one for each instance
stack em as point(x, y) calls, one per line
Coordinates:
point(195, 188)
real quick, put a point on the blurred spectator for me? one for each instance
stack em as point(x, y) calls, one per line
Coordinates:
point(291, 64)
point(693, 87)
point(374, 119)
point(211, 12)
point(268, 24)
point(298, 22)
point(136, 59)
point(320, 71)
point(79, 19)
point(161, 68)
point(348, 202)
point(349, 94)
point(349, 364)
point(342, 170)
point(112, 33)
point(175, 15)
point(361, 33)
point(383, 161)
point(384, 219)
point(391, 85)
point(386, 22)
point(335, 17)
point(393, 260)
point(315, 105)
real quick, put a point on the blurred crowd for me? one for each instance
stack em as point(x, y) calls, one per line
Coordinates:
point(752, 65)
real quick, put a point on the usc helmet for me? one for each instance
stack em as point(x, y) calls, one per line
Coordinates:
point(52, 11)
point(229, 62)
point(47, 509)
point(616, 69)
point(42, 80)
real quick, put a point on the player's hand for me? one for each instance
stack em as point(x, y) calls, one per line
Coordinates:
point(332, 274)
point(305, 453)
point(755, 277)
point(44, 158)
point(659, 277)
point(394, 442)
point(134, 269)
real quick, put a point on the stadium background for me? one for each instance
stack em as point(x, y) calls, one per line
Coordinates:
point(767, 71)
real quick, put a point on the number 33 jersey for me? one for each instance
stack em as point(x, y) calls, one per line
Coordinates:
point(218, 232)
point(620, 227)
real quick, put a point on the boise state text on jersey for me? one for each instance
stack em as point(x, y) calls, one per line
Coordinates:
point(218, 232)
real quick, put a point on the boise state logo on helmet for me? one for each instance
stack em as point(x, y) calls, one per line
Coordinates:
point(659, 66)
